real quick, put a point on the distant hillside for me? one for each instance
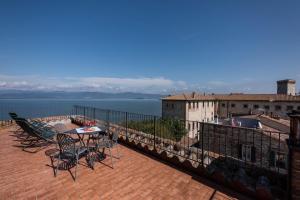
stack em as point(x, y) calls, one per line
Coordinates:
point(16, 94)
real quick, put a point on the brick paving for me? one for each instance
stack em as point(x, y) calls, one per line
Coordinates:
point(26, 175)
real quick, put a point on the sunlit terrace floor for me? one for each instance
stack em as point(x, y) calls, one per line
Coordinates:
point(26, 175)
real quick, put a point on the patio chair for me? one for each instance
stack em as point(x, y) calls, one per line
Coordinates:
point(114, 142)
point(97, 142)
point(108, 143)
point(14, 117)
point(23, 128)
point(36, 137)
point(33, 123)
point(69, 153)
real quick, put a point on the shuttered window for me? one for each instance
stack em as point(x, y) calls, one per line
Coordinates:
point(247, 153)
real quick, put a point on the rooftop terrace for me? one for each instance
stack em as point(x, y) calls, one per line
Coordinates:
point(135, 176)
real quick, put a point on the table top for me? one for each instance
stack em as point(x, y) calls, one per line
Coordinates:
point(88, 130)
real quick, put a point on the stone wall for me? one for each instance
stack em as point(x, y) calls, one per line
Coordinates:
point(295, 173)
point(226, 141)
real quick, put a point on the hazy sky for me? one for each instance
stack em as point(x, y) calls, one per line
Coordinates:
point(149, 46)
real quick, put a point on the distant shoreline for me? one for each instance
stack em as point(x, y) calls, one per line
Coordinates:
point(91, 99)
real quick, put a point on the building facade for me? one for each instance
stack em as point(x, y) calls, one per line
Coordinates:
point(191, 107)
point(246, 104)
point(207, 108)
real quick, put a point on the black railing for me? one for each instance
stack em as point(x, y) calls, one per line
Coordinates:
point(215, 147)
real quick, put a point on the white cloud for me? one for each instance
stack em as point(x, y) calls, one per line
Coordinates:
point(143, 84)
point(104, 84)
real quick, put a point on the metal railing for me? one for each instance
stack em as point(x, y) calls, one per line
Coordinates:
point(258, 152)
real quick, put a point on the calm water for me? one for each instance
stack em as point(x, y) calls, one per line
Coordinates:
point(48, 107)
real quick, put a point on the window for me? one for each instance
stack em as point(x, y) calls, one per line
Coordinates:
point(277, 159)
point(289, 107)
point(232, 105)
point(298, 108)
point(190, 105)
point(197, 104)
point(203, 104)
point(167, 105)
point(267, 107)
point(172, 106)
point(256, 106)
point(245, 106)
point(277, 107)
point(247, 152)
point(189, 126)
point(208, 104)
point(194, 105)
point(223, 105)
point(212, 104)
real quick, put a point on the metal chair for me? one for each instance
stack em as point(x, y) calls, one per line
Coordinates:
point(111, 143)
point(69, 153)
point(99, 141)
point(114, 142)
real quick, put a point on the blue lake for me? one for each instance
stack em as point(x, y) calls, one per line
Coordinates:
point(48, 107)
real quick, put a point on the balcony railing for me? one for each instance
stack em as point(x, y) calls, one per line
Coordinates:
point(217, 148)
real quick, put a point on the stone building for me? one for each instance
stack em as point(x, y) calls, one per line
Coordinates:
point(204, 107)
point(195, 107)
point(192, 107)
point(247, 104)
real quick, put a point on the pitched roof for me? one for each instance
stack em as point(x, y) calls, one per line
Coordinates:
point(233, 97)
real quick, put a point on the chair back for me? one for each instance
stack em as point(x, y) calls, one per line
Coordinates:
point(13, 115)
point(115, 135)
point(21, 122)
point(66, 143)
point(24, 124)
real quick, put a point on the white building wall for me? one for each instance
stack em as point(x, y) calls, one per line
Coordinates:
point(256, 107)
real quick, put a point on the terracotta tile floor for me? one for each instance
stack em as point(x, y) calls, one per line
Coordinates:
point(26, 175)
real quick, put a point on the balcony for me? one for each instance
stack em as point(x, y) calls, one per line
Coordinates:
point(135, 176)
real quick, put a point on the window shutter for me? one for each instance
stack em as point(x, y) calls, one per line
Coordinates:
point(240, 151)
point(253, 156)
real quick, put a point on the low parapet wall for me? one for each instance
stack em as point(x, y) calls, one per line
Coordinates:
point(233, 178)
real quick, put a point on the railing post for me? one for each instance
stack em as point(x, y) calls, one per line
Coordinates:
point(94, 114)
point(154, 131)
point(126, 125)
point(202, 142)
point(84, 115)
point(107, 119)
